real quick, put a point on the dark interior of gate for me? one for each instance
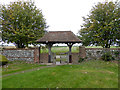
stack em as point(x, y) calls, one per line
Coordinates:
point(59, 37)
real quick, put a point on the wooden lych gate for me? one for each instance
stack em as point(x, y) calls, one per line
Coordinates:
point(54, 37)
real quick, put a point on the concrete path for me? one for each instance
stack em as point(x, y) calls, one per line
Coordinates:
point(27, 71)
point(58, 63)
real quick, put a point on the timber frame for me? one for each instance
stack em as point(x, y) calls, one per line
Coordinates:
point(54, 37)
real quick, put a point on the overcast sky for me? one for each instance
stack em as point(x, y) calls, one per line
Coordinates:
point(63, 15)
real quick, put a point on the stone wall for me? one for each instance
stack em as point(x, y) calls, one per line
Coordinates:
point(31, 55)
point(96, 53)
point(34, 55)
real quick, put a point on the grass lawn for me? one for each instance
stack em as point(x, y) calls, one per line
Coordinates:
point(90, 74)
point(15, 66)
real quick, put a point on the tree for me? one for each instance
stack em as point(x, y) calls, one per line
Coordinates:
point(102, 26)
point(22, 23)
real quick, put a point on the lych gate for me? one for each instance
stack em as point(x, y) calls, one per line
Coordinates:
point(54, 37)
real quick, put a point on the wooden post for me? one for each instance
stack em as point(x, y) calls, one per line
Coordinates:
point(70, 55)
point(54, 59)
point(50, 53)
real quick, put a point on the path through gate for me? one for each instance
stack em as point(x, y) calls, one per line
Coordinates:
point(61, 58)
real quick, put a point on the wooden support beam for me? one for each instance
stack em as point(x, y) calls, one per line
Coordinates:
point(50, 52)
point(70, 55)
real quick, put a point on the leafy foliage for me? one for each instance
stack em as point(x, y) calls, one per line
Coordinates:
point(22, 23)
point(117, 53)
point(3, 60)
point(107, 56)
point(102, 25)
point(81, 60)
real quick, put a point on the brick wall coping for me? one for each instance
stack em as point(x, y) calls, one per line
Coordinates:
point(102, 48)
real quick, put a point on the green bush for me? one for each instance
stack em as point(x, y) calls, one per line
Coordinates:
point(107, 56)
point(81, 60)
point(3, 60)
point(116, 53)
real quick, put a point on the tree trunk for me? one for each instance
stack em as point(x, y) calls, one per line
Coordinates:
point(107, 46)
point(20, 45)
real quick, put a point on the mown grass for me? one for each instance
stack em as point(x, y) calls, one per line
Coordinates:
point(15, 66)
point(90, 74)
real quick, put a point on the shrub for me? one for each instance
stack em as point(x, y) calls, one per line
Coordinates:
point(81, 60)
point(116, 53)
point(3, 60)
point(107, 56)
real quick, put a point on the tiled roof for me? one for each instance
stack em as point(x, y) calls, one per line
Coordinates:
point(59, 37)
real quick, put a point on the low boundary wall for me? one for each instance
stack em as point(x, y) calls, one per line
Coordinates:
point(96, 53)
point(34, 55)
point(31, 54)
